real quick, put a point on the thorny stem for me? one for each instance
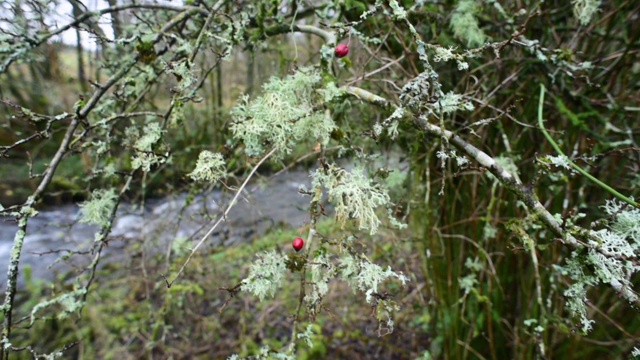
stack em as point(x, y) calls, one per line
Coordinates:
point(312, 231)
point(296, 319)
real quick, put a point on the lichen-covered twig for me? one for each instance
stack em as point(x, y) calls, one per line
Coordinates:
point(523, 192)
point(222, 218)
point(26, 210)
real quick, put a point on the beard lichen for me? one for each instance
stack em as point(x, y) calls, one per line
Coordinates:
point(289, 111)
point(354, 195)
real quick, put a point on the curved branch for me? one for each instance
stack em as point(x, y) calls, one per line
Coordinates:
point(87, 15)
point(222, 218)
point(523, 193)
point(327, 36)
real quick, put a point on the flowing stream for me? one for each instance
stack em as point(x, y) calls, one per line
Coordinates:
point(160, 224)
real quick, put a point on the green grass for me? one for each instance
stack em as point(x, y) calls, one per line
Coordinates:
point(130, 314)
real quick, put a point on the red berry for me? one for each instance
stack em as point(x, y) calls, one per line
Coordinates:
point(298, 243)
point(342, 50)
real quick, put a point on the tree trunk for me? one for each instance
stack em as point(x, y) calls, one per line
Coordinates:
point(81, 75)
point(116, 25)
point(77, 11)
point(219, 86)
point(250, 72)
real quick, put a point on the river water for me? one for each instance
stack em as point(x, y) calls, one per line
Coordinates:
point(155, 226)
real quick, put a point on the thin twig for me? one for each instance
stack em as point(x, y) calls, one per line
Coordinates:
point(222, 218)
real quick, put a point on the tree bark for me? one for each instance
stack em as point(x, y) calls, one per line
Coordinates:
point(116, 24)
point(82, 78)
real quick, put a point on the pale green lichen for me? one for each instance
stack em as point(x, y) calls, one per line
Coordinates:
point(451, 102)
point(444, 54)
point(462, 65)
point(473, 264)
point(489, 231)
point(70, 303)
point(465, 24)
point(395, 222)
point(559, 161)
point(365, 276)
point(605, 260)
point(468, 283)
point(182, 72)
point(151, 134)
point(349, 267)
point(306, 335)
point(393, 121)
point(415, 93)
point(585, 9)
point(370, 276)
point(354, 195)
point(626, 221)
point(576, 294)
point(97, 210)
point(372, 40)
point(322, 270)
point(266, 353)
point(265, 275)
point(461, 161)
point(285, 114)
point(398, 11)
point(384, 311)
point(377, 129)
point(210, 167)
point(145, 157)
point(331, 92)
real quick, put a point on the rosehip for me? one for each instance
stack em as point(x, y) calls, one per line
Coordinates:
point(298, 243)
point(342, 50)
